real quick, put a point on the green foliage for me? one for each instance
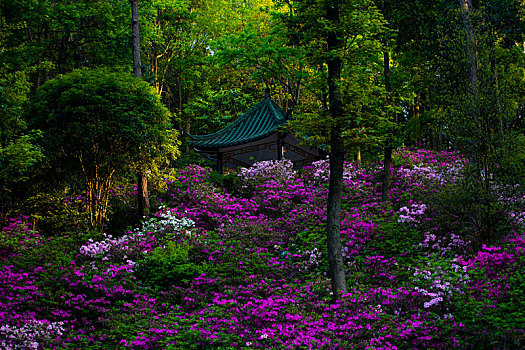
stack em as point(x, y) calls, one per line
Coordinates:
point(101, 125)
point(14, 89)
point(265, 45)
point(491, 322)
point(167, 266)
point(17, 238)
point(122, 209)
point(192, 157)
point(44, 39)
point(312, 241)
point(18, 150)
point(361, 119)
point(19, 156)
point(188, 337)
point(17, 160)
point(396, 240)
point(213, 110)
point(229, 253)
point(57, 212)
point(511, 165)
point(475, 215)
point(102, 118)
point(175, 35)
point(58, 251)
point(231, 182)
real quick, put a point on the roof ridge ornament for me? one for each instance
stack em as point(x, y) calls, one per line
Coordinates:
point(267, 92)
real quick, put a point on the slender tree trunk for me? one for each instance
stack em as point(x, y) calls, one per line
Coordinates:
point(387, 160)
point(137, 70)
point(142, 194)
point(417, 115)
point(481, 152)
point(185, 121)
point(337, 156)
point(333, 214)
point(494, 71)
point(142, 180)
point(472, 52)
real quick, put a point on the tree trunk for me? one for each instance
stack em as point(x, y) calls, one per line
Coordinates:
point(333, 214)
point(387, 162)
point(385, 188)
point(142, 195)
point(417, 115)
point(135, 38)
point(337, 156)
point(142, 180)
point(472, 52)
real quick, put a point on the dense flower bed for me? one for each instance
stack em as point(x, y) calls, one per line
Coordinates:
point(218, 270)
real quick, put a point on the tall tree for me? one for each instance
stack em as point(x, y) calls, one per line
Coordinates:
point(93, 123)
point(341, 39)
point(334, 44)
point(490, 141)
point(18, 152)
point(462, 56)
point(466, 10)
point(135, 35)
point(385, 8)
point(177, 37)
point(142, 179)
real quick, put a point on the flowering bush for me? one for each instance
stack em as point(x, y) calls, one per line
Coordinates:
point(17, 236)
point(321, 171)
point(276, 170)
point(412, 214)
point(218, 270)
point(31, 335)
point(134, 245)
point(518, 218)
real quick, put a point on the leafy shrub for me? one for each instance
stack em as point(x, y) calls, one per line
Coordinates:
point(58, 212)
point(494, 308)
point(192, 183)
point(231, 182)
point(122, 209)
point(92, 127)
point(395, 239)
point(17, 236)
point(132, 246)
point(58, 251)
point(18, 160)
point(310, 244)
point(408, 157)
point(476, 214)
point(167, 266)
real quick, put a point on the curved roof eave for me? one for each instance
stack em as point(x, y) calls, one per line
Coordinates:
point(259, 122)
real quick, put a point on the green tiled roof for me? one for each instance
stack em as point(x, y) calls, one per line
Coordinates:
point(260, 121)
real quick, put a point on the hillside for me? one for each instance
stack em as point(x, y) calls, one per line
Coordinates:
point(239, 262)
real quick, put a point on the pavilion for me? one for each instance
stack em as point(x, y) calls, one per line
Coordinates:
point(255, 136)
